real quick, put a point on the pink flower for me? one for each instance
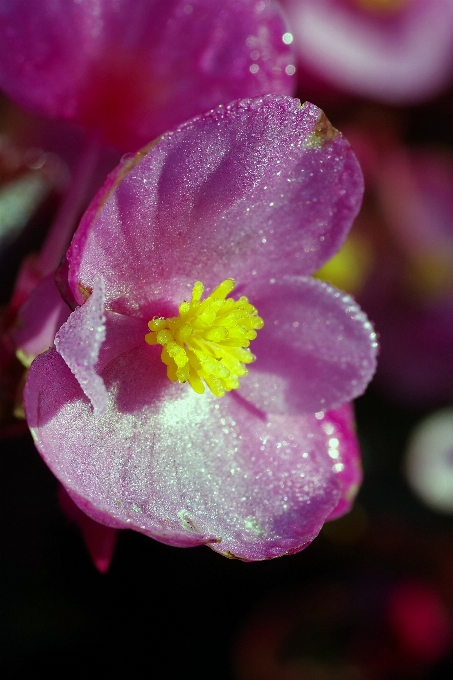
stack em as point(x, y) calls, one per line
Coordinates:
point(261, 191)
point(131, 69)
point(395, 51)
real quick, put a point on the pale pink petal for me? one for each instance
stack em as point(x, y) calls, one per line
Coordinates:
point(258, 188)
point(316, 351)
point(186, 537)
point(181, 467)
point(79, 341)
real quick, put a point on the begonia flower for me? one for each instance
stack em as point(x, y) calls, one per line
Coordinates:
point(394, 51)
point(255, 195)
point(129, 70)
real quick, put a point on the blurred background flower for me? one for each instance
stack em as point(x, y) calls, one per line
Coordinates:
point(399, 260)
point(131, 69)
point(392, 51)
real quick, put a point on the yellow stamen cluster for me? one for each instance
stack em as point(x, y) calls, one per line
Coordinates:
point(208, 342)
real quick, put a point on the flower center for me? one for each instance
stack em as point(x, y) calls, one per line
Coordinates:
point(208, 342)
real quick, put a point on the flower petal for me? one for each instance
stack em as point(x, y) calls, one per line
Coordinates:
point(317, 349)
point(181, 467)
point(345, 453)
point(122, 334)
point(260, 187)
point(79, 341)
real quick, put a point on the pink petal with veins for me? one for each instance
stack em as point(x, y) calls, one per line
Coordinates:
point(180, 466)
point(256, 189)
point(317, 349)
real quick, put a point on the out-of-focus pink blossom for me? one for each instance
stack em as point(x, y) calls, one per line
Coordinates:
point(262, 191)
point(420, 620)
point(131, 69)
point(394, 51)
point(408, 221)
